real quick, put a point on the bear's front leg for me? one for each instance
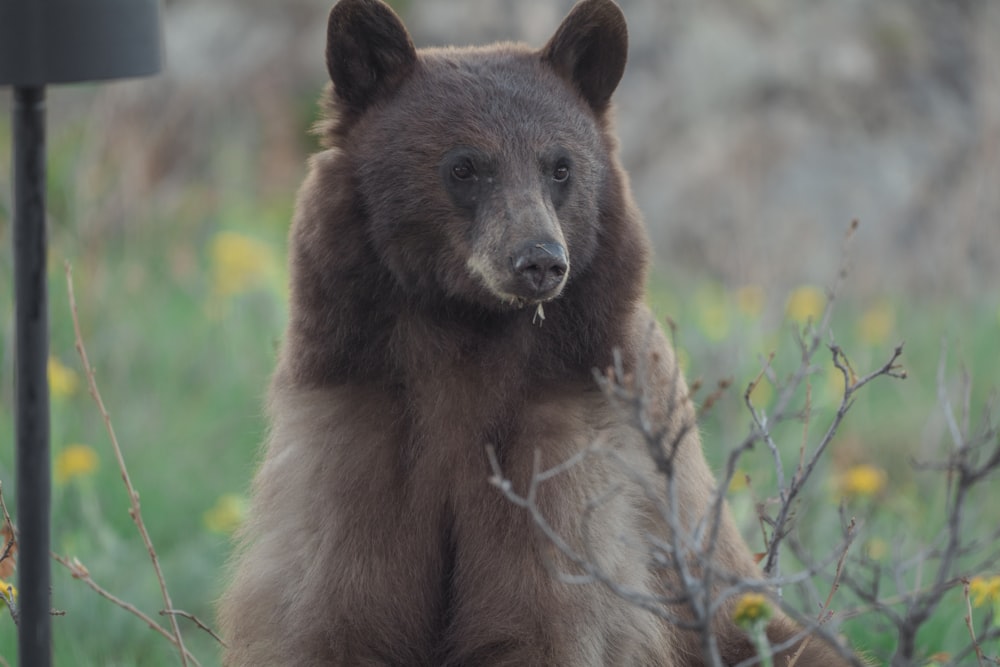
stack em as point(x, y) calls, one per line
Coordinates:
point(511, 601)
point(341, 561)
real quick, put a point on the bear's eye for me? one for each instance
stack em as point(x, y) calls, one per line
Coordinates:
point(463, 171)
point(561, 173)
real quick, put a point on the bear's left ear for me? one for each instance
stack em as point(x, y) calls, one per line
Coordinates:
point(368, 52)
point(590, 49)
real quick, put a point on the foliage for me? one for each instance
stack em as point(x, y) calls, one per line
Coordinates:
point(182, 311)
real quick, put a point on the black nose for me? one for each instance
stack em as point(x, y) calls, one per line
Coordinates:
point(540, 267)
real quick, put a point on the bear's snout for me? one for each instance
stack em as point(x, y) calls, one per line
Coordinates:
point(540, 269)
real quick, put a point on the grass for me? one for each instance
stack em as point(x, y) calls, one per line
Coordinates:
point(182, 330)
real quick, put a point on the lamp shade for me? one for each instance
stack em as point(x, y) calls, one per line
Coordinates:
point(66, 41)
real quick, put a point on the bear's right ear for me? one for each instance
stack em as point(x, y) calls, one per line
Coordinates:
point(368, 52)
point(589, 50)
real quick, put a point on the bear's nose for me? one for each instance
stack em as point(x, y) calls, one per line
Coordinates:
point(541, 267)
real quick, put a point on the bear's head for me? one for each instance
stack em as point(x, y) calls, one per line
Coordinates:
point(481, 173)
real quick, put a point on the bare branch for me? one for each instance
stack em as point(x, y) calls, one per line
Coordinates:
point(824, 612)
point(78, 571)
point(134, 510)
point(968, 623)
point(198, 622)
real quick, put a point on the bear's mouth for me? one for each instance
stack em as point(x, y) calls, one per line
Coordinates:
point(536, 300)
point(538, 308)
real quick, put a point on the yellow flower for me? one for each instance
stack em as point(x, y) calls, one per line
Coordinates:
point(713, 314)
point(226, 515)
point(750, 300)
point(804, 304)
point(738, 482)
point(834, 379)
point(862, 481)
point(762, 393)
point(9, 591)
point(239, 263)
point(877, 548)
point(751, 609)
point(63, 381)
point(75, 461)
point(984, 590)
point(877, 324)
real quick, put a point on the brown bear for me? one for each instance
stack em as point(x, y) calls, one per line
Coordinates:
point(464, 254)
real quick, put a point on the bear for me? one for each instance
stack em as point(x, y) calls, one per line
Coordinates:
point(464, 253)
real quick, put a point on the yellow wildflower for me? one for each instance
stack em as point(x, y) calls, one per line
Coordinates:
point(7, 591)
point(713, 314)
point(63, 381)
point(738, 482)
point(762, 393)
point(834, 381)
point(240, 263)
point(877, 548)
point(804, 304)
point(876, 324)
point(75, 461)
point(862, 481)
point(750, 300)
point(751, 609)
point(984, 590)
point(226, 515)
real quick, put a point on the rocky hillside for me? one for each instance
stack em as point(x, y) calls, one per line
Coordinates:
point(754, 131)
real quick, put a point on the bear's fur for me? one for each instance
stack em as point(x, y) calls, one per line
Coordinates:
point(463, 256)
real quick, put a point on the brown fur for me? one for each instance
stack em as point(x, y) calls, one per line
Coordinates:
point(375, 537)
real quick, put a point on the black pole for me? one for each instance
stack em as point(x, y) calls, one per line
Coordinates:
point(31, 378)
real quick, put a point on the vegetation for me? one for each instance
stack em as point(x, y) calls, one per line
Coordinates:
point(182, 315)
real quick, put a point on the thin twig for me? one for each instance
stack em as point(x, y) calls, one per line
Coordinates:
point(133, 497)
point(944, 400)
point(965, 469)
point(78, 571)
point(197, 621)
point(824, 613)
point(852, 384)
point(968, 623)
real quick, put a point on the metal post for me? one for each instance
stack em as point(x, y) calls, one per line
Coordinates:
point(31, 378)
point(44, 42)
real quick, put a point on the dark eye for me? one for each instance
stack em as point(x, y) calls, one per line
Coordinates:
point(561, 173)
point(463, 171)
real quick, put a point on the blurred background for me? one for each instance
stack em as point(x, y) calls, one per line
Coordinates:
point(754, 132)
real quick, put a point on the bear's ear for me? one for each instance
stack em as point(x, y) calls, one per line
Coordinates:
point(368, 52)
point(590, 49)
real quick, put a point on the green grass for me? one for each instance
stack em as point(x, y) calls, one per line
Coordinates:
point(183, 371)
